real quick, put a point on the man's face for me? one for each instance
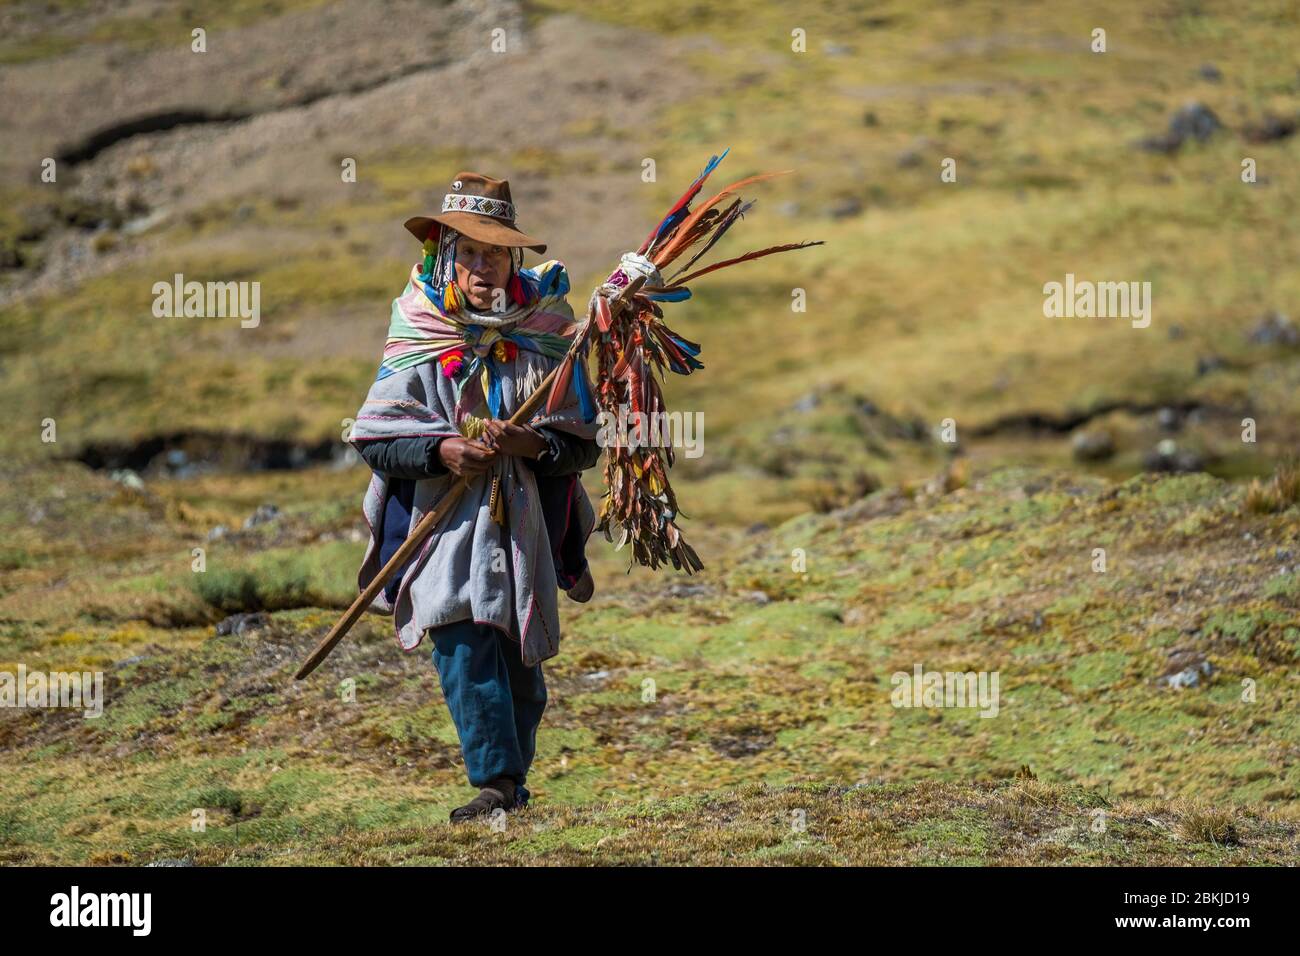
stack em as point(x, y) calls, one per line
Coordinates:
point(481, 269)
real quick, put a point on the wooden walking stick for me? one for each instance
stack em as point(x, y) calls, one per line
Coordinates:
point(429, 522)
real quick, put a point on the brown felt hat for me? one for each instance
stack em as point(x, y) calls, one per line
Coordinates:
point(477, 206)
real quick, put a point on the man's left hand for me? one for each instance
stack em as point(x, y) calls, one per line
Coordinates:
point(522, 441)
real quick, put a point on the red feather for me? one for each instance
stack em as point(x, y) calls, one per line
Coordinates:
point(560, 389)
point(745, 258)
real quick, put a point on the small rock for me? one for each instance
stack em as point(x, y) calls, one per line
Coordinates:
point(1185, 669)
point(845, 208)
point(1094, 444)
point(239, 624)
point(909, 159)
point(596, 675)
point(1275, 328)
point(1167, 456)
point(127, 478)
point(170, 863)
point(1184, 678)
point(1206, 364)
point(1269, 129)
point(217, 533)
point(684, 590)
point(1194, 121)
point(756, 597)
point(1169, 419)
point(263, 515)
point(1210, 72)
point(807, 403)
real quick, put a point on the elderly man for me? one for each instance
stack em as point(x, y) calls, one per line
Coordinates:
point(470, 338)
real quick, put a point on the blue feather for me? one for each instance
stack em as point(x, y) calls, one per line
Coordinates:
point(670, 222)
point(713, 163)
point(676, 295)
point(585, 402)
point(685, 345)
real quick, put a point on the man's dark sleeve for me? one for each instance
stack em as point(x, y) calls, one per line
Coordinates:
point(565, 454)
point(415, 458)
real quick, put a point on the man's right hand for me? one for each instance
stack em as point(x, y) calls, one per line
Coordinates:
point(466, 457)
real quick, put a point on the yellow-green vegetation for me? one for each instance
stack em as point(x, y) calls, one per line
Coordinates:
point(162, 24)
point(1277, 493)
point(931, 824)
point(1151, 689)
point(673, 700)
point(927, 298)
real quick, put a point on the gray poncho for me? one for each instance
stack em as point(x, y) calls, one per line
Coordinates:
point(471, 567)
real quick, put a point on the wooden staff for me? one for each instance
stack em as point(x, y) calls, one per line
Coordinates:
point(430, 521)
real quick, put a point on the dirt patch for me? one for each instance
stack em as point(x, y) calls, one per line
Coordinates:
point(568, 145)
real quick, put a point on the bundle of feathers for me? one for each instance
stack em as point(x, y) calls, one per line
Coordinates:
point(634, 346)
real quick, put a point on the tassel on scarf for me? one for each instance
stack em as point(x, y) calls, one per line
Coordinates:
point(451, 298)
point(426, 268)
point(518, 291)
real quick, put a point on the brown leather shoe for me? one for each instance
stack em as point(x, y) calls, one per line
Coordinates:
point(499, 793)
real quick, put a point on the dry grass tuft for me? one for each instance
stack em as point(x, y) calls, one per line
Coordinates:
point(1277, 494)
point(1205, 824)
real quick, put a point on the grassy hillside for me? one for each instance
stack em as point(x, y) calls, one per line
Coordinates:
point(844, 541)
point(927, 298)
point(669, 689)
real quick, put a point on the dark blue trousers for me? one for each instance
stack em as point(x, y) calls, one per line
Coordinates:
point(495, 701)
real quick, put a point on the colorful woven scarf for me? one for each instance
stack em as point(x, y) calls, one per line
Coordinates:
point(471, 347)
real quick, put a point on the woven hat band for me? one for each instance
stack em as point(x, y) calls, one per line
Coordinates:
point(482, 205)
